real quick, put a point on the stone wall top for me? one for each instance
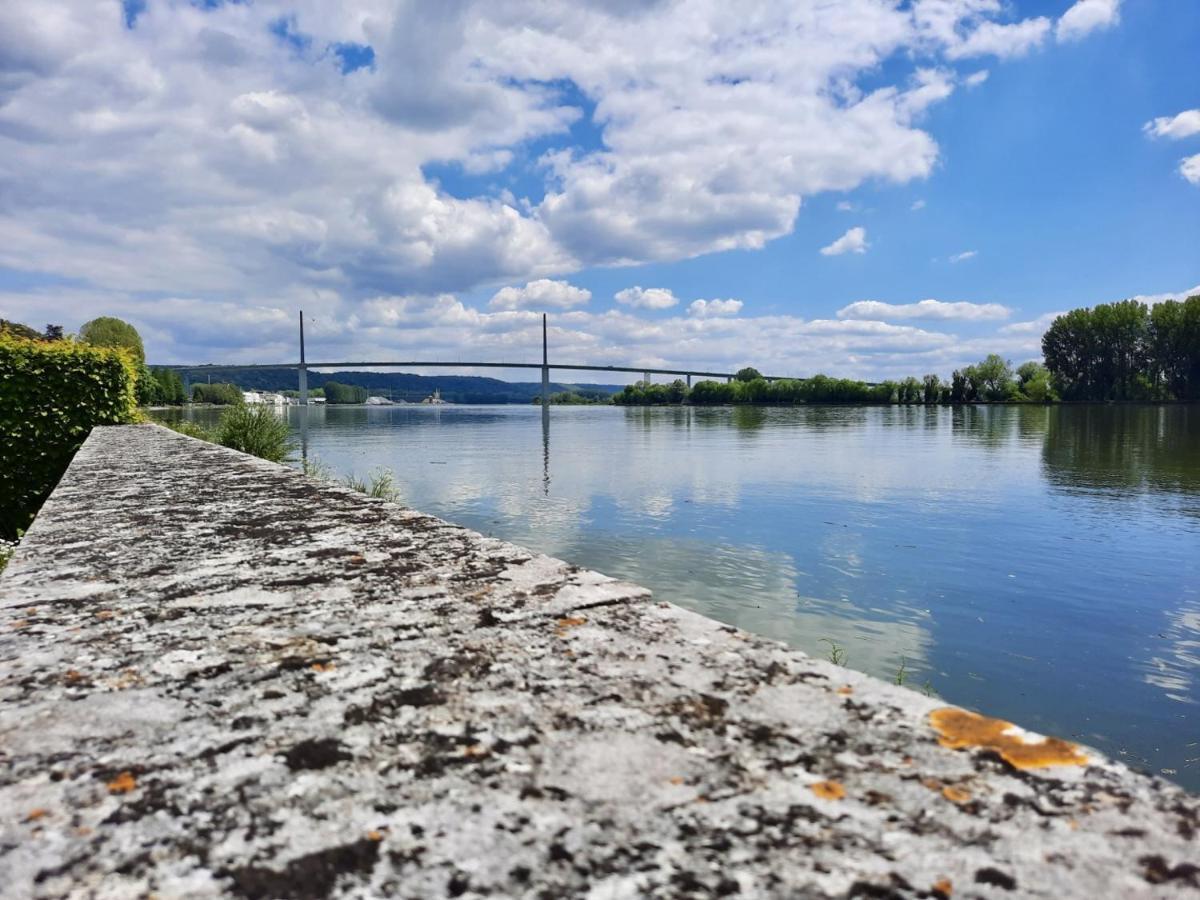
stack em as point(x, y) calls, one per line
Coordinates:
point(219, 677)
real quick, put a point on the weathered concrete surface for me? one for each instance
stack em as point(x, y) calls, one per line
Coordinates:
point(218, 677)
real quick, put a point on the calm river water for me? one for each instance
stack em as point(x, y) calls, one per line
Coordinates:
point(1041, 564)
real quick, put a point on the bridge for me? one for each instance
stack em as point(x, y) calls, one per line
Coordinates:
point(545, 366)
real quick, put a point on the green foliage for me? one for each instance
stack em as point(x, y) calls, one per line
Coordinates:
point(160, 387)
point(576, 398)
point(1033, 382)
point(109, 332)
point(51, 395)
point(17, 330)
point(1126, 351)
point(336, 392)
point(837, 654)
point(219, 394)
point(932, 389)
point(380, 484)
point(256, 430)
point(747, 374)
point(191, 429)
point(644, 393)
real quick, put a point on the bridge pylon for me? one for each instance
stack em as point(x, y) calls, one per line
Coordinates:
point(545, 368)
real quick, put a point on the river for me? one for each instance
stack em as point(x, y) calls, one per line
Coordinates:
point(1038, 563)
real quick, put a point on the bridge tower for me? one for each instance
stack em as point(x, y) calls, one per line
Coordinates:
point(545, 368)
point(303, 367)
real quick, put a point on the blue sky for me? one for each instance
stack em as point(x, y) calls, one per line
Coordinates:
point(427, 180)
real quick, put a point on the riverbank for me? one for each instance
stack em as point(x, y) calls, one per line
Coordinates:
point(283, 686)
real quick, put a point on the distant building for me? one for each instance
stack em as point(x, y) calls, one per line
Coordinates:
point(436, 397)
point(264, 398)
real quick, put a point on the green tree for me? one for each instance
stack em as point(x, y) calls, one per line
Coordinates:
point(336, 392)
point(932, 389)
point(747, 374)
point(107, 331)
point(221, 394)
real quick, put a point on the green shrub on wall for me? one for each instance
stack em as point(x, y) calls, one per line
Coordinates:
point(51, 394)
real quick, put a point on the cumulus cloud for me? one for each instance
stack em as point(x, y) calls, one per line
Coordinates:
point(964, 256)
point(1183, 125)
point(853, 241)
point(1002, 40)
point(1190, 169)
point(201, 151)
point(975, 79)
point(1087, 16)
point(917, 205)
point(703, 309)
point(1036, 327)
point(646, 298)
point(925, 309)
point(543, 293)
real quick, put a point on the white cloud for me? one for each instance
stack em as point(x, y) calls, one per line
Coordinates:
point(1183, 125)
point(197, 154)
point(1002, 40)
point(1036, 327)
point(845, 206)
point(917, 205)
point(1190, 169)
point(964, 256)
point(975, 79)
point(1087, 16)
point(541, 294)
point(853, 241)
point(925, 309)
point(646, 298)
point(703, 309)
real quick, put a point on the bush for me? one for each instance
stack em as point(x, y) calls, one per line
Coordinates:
point(256, 430)
point(51, 395)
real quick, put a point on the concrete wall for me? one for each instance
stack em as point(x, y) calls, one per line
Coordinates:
point(219, 677)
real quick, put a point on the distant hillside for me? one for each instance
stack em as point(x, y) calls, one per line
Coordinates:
point(397, 385)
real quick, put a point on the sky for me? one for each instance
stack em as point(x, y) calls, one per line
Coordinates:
point(866, 188)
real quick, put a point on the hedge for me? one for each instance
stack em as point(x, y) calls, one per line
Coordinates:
point(51, 394)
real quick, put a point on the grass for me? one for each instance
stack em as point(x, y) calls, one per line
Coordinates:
point(256, 430)
point(380, 484)
point(837, 655)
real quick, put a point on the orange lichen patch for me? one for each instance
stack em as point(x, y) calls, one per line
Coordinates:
point(569, 622)
point(845, 690)
point(959, 729)
point(475, 750)
point(104, 614)
point(676, 779)
point(122, 784)
point(323, 667)
point(35, 814)
point(374, 835)
point(828, 790)
point(956, 795)
point(357, 559)
point(943, 887)
point(19, 623)
point(73, 677)
point(932, 783)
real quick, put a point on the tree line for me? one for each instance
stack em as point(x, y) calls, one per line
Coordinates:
point(992, 379)
point(1126, 351)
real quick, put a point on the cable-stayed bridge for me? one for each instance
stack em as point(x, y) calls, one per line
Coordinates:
point(545, 366)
